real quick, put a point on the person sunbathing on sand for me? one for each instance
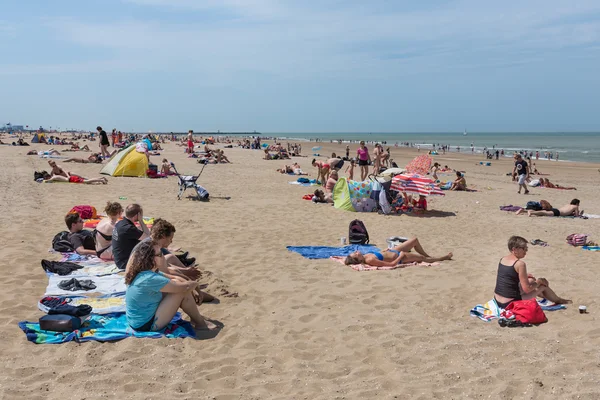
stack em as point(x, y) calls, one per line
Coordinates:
point(321, 197)
point(297, 170)
point(94, 158)
point(514, 283)
point(400, 254)
point(152, 299)
point(75, 147)
point(104, 230)
point(544, 182)
point(459, 183)
point(568, 210)
point(57, 174)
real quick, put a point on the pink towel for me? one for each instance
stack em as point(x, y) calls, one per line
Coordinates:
point(365, 267)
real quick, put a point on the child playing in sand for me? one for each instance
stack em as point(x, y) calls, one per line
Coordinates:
point(350, 170)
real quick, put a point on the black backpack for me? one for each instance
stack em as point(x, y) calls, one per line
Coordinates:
point(61, 243)
point(357, 233)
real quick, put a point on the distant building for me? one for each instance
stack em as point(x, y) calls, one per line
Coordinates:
point(10, 127)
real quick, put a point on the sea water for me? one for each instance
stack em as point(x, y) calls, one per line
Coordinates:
point(575, 146)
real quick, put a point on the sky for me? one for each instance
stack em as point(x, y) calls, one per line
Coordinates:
point(301, 66)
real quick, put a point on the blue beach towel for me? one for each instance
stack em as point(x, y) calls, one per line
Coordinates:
point(591, 248)
point(105, 328)
point(318, 252)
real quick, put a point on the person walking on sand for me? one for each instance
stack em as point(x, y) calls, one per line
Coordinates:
point(104, 143)
point(521, 170)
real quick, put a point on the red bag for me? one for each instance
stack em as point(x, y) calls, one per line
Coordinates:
point(85, 212)
point(527, 311)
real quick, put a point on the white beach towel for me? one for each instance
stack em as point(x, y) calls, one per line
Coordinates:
point(104, 285)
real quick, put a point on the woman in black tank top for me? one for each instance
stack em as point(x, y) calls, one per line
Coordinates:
point(514, 283)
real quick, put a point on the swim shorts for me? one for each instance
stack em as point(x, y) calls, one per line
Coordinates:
point(363, 162)
point(76, 179)
point(556, 212)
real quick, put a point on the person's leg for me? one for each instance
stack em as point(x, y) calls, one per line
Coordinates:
point(173, 260)
point(412, 243)
point(93, 181)
point(410, 257)
point(167, 309)
point(189, 306)
point(547, 294)
point(541, 213)
point(77, 160)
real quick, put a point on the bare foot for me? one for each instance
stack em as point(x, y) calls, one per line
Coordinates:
point(206, 325)
point(448, 256)
point(519, 211)
point(529, 213)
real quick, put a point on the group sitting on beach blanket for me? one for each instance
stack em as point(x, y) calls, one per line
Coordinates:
point(156, 284)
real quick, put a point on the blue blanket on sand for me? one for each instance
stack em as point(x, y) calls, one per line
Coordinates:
point(105, 328)
point(316, 252)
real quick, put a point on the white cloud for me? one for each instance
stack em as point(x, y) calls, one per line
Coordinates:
point(350, 39)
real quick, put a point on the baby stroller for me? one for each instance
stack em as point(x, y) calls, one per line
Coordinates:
point(189, 182)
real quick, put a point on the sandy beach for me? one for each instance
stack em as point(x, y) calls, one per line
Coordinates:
point(313, 329)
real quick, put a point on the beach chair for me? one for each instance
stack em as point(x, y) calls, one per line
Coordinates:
point(189, 182)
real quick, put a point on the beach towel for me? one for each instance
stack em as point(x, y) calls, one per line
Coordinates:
point(591, 215)
point(92, 270)
point(110, 284)
point(100, 305)
point(319, 252)
point(80, 259)
point(105, 328)
point(365, 267)
point(490, 311)
point(302, 184)
point(510, 208)
point(591, 248)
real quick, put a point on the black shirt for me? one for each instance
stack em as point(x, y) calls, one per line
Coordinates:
point(124, 238)
point(104, 137)
point(83, 239)
point(521, 167)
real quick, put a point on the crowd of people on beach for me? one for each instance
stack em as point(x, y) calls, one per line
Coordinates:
point(159, 281)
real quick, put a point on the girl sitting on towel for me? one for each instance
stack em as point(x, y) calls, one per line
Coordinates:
point(152, 298)
point(514, 283)
point(104, 230)
point(400, 254)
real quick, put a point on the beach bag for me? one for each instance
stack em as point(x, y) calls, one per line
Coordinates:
point(533, 205)
point(85, 212)
point(60, 323)
point(61, 243)
point(37, 175)
point(357, 232)
point(577, 239)
point(527, 311)
point(202, 193)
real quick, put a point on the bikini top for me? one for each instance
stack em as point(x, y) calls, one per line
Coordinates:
point(106, 237)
